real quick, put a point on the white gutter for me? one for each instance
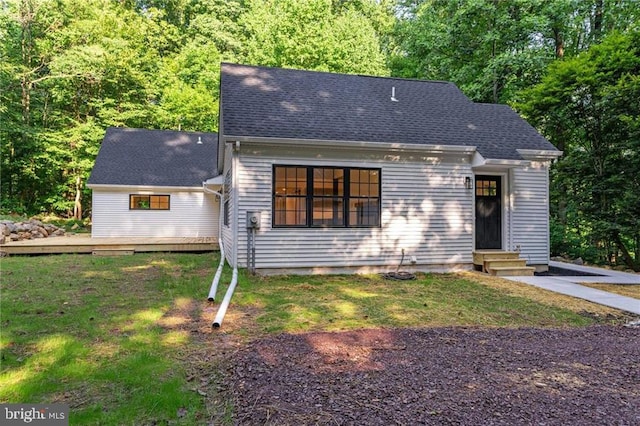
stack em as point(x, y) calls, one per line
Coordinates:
point(149, 188)
point(222, 310)
point(216, 278)
point(340, 144)
point(539, 155)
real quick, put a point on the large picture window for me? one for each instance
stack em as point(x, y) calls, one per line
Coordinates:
point(325, 197)
point(148, 202)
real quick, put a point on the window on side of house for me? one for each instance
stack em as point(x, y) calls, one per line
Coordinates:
point(226, 213)
point(148, 202)
point(326, 197)
point(226, 197)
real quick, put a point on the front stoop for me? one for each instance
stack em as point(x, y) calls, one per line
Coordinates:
point(502, 263)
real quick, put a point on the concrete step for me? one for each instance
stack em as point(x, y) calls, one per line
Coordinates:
point(512, 271)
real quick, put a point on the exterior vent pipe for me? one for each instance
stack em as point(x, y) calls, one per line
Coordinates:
point(393, 94)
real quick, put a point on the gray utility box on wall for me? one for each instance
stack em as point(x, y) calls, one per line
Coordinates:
point(253, 220)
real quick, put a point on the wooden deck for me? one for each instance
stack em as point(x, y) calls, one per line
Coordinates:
point(83, 243)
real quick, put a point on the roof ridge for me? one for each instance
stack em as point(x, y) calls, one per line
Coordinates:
point(140, 129)
point(415, 80)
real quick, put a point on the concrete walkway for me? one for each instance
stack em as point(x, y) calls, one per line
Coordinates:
point(570, 286)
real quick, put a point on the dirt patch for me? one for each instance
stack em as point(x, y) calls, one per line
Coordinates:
point(439, 376)
point(563, 272)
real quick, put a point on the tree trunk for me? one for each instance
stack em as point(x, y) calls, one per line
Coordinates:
point(596, 28)
point(559, 43)
point(626, 256)
point(77, 206)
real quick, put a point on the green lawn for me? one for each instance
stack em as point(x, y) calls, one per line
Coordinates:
point(127, 340)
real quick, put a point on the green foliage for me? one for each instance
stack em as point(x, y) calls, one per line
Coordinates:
point(484, 46)
point(493, 49)
point(311, 34)
point(71, 68)
point(588, 106)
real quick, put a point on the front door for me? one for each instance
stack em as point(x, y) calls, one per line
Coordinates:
point(488, 212)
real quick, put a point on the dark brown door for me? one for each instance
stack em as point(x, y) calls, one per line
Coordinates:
point(488, 213)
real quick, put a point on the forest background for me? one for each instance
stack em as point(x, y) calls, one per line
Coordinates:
point(71, 68)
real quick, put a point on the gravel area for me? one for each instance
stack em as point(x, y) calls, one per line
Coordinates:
point(440, 376)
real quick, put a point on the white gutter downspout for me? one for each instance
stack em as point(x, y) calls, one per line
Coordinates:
point(216, 278)
point(222, 310)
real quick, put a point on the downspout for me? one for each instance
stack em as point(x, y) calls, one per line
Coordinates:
point(222, 310)
point(512, 198)
point(216, 278)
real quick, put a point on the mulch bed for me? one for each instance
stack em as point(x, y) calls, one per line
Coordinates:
point(440, 376)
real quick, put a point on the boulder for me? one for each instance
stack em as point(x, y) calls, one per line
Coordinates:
point(42, 231)
point(16, 231)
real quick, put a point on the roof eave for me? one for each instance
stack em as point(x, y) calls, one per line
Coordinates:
point(345, 144)
point(479, 162)
point(214, 181)
point(143, 187)
point(540, 154)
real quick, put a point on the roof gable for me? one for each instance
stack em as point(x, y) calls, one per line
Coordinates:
point(295, 104)
point(140, 157)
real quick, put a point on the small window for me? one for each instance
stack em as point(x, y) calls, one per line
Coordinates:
point(486, 188)
point(148, 202)
point(226, 213)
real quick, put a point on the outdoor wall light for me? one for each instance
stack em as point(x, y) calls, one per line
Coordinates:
point(467, 182)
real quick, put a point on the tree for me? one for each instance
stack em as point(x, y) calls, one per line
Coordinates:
point(74, 67)
point(492, 49)
point(590, 107)
point(311, 34)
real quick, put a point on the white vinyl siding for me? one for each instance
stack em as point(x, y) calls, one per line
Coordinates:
point(530, 213)
point(426, 211)
point(191, 214)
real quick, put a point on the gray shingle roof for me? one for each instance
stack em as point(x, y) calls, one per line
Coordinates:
point(155, 158)
point(295, 104)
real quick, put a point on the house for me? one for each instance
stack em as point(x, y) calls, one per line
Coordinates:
point(149, 183)
point(321, 172)
point(328, 172)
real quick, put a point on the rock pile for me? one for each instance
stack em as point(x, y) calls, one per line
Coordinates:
point(29, 230)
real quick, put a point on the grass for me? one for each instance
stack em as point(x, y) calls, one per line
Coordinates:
point(127, 340)
point(297, 304)
point(103, 335)
point(629, 290)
